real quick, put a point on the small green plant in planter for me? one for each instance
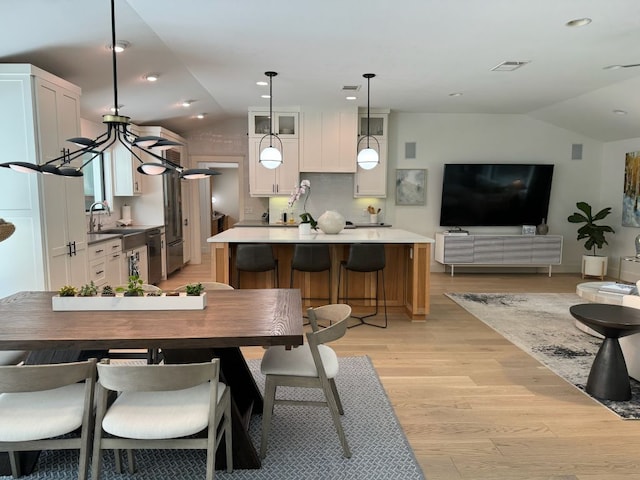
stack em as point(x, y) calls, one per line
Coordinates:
point(107, 291)
point(592, 232)
point(88, 290)
point(68, 291)
point(194, 289)
point(592, 264)
point(154, 294)
point(134, 287)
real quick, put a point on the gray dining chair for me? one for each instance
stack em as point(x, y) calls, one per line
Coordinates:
point(162, 407)
point(42, 405)
point(313, 365)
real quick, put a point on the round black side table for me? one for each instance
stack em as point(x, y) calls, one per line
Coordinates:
point(609, 378)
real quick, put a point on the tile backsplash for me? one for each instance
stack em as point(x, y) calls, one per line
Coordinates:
point(329, 191)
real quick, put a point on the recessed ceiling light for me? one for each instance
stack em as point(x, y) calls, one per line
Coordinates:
point(455, 94)
point(620, 112)
point(187, 103)
point(351, 98)
point(201, 115)
point(152, 77)
point(262, 83)
point(612, 67)
point(265, 96)
point(121, 46)
point(578, 22)
point(113, 109)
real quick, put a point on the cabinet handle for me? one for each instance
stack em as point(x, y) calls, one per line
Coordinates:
point(116, 255)
point(69, 247)
point(186, 222)
point(74, 249)
point(99, 251)
point(99, 272)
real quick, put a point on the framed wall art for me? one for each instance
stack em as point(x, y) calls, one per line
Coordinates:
point(411, 186)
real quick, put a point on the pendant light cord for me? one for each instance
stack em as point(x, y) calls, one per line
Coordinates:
point(113, 57)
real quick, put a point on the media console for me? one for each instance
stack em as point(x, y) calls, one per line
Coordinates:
point(498, 250)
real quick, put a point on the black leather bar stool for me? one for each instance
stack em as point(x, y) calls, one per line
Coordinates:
point(311, 258)
point(256, 257)
point(365, 257)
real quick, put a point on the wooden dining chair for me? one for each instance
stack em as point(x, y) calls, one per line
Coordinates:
point(313, 365)
point(41, 403)
point(157, 407)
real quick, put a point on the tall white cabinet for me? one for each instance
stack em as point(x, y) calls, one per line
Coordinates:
point(264, 182)
point(49, 247)
point(373, 183)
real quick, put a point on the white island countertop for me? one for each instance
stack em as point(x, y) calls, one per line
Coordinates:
point(291, 235)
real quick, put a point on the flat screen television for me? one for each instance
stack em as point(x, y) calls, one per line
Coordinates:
point(497, 194)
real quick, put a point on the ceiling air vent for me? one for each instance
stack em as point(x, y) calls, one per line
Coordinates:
point(351, 88)
point(508, 66)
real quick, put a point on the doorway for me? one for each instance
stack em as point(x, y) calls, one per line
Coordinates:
point(219, 195)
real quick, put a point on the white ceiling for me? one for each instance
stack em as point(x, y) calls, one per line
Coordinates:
point(214, 51)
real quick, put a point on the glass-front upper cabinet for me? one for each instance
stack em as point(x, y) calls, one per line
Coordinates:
point(285, 124)
point(377, 124)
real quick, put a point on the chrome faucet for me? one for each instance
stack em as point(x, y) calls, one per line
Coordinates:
point(92, 222)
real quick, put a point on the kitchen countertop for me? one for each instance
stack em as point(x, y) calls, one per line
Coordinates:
point(260, 223)
point(290, 235)
point(97, 237)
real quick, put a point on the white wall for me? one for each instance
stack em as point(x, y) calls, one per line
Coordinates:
point(471, 138)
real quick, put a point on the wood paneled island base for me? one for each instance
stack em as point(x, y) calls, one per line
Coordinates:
point(408, 257)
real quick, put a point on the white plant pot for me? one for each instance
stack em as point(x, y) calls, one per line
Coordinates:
point(304, 229)
point(594, 266)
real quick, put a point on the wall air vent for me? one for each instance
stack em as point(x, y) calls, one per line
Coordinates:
point(351, 88)
point(508, 66)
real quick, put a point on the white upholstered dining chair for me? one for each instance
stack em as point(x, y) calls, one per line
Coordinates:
point(40, 403)
point(157, 407)
point(313, 365)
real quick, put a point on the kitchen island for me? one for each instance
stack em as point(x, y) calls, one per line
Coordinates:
point(408, 257)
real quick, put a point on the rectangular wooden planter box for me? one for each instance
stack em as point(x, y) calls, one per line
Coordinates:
point(163, 302)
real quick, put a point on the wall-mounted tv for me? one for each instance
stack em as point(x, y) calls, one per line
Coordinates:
point(497, 194)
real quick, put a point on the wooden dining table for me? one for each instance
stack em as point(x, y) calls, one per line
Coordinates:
point(231, 319)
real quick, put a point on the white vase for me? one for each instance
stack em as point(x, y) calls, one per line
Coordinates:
point(331, 222)
point(304, 229)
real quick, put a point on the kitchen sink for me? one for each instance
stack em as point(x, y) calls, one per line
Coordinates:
point(131, 237)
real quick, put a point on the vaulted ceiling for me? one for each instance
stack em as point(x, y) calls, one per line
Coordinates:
point(214, 51)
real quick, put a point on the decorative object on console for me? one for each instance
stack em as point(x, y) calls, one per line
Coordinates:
point(331, 222)
point(592, 264)
point(368, 158)
point(411, 187)
point(117, 131)
point(528, 230)
point(543, 228)
point(6, 229)
point(270, 157)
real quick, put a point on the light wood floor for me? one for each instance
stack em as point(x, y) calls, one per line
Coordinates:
point(474, 406)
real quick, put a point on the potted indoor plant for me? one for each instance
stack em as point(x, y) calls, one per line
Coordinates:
point(307, 221)
point(592, 263)
point(194, 289)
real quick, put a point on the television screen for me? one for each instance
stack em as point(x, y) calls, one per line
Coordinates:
point(479, 194)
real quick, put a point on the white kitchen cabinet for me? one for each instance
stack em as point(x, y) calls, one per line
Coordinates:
point(278, 181)
point(373, 183)
point(105, 263)
point(49, 248)
point(328, 141)
point(127, 180)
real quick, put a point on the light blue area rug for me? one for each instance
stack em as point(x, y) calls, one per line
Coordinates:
point(541, 325)
point(303, 443)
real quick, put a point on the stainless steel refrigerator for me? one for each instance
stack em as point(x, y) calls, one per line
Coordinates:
point(173, 215)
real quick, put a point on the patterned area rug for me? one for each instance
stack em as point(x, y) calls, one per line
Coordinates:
point(302, 443)
point(541, 325)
